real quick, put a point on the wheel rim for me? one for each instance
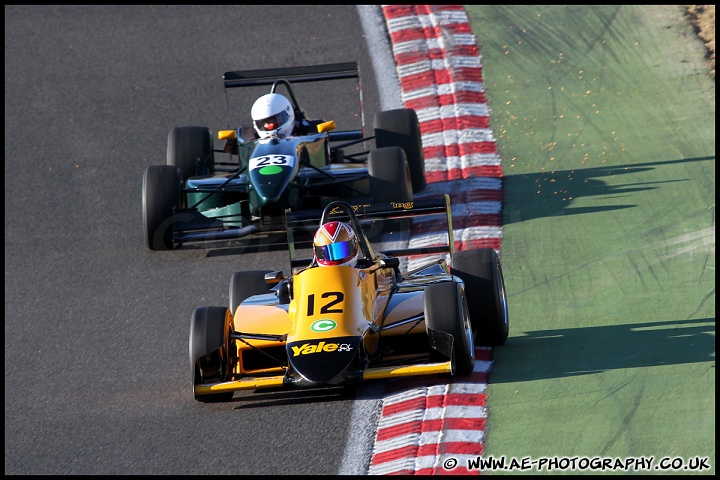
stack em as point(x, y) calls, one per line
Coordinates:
point(469, 335)
point(502, 303)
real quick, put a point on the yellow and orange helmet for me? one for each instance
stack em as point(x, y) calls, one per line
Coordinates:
point(335, 244)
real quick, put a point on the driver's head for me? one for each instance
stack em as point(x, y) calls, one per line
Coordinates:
point(335, 244)
point(272, 116)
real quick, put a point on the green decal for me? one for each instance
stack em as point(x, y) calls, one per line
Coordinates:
point(271, 170)
point(323, 325)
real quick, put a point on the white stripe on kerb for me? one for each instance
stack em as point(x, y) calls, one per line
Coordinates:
point(425, 45)
point(448, 137)
point(418, 21)
point(423, 66)
point(444, 89)
point(452, 111)
point(466, 161)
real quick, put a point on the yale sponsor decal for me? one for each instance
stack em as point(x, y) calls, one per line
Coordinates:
point(324, 325)
point(308, 348)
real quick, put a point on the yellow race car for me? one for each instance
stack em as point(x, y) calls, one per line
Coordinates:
point(340, 325)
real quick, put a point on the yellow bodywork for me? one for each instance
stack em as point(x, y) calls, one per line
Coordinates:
point(227, 135)
point(262, 318)
point(327, 303)
point(329, 293)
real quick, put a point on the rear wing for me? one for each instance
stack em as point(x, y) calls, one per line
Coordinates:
point(303, 74)
point(437, 206)
point(313, 73)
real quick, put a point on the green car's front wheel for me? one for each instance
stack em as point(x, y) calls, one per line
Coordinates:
point(246, 284)
point(160, 196)
point(191, 150)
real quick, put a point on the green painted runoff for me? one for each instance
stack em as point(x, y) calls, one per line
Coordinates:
point(605, 122)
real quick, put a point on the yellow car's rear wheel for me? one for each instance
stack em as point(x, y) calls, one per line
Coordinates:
point(448, 324)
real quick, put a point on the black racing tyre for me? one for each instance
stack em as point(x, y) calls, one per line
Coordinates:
point(448, 324)
point(400, 128)
point(246, 284)
point(481, 271)
point(389, 175)
point(188, 144)
point(211, 355)
point(160, 196)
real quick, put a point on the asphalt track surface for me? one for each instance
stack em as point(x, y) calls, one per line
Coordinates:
point(96, 331)
point(611, 285)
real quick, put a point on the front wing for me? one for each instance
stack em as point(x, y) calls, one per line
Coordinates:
point(278, 381)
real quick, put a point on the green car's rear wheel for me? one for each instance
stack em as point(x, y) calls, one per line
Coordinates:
point(400, 128)
point(389, 175)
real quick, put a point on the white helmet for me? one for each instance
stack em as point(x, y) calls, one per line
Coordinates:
point(272, 116)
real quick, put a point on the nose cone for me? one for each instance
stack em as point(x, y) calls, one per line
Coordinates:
point(270, 182)
point(273, 166)
point(330, 361)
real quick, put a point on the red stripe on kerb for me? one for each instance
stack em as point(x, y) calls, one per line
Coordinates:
point(412, 404)
point(408, 58)
point(423, 33)
point(418, 426)
point(399, 11)
point(436, 9)
point(440, 77)
point(460, 97)
point(493, 242)
point(460, 149)
point(409, 451)
point(462, 173)
point(400, 430)
point(464, 399)
point(455, 123)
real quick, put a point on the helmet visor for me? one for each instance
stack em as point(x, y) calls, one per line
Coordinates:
point(272, 122)
point(335, 252)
